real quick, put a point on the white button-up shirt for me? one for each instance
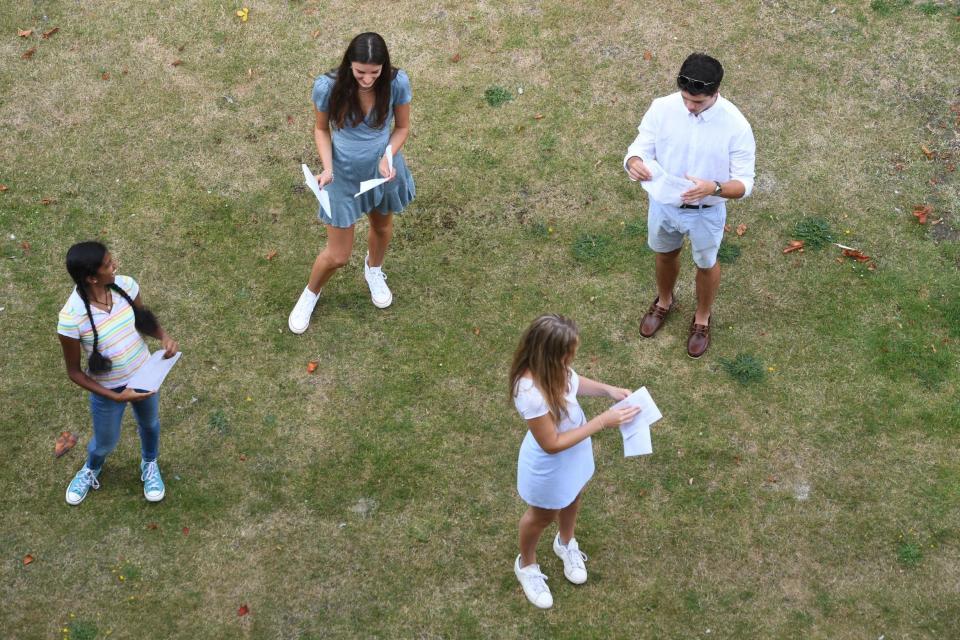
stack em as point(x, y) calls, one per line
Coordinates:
point(716, 145)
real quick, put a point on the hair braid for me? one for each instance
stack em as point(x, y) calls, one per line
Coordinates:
point(97, 362)
point(143, 319)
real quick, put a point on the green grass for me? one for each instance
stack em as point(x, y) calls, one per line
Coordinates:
point(375, 497)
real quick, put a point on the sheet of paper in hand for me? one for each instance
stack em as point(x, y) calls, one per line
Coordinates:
point(366, 185)
point(663, 187)
point(150, 376)
point(321, 194)
point(636, 433)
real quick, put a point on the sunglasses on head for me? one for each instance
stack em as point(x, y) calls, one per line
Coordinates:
point(685, 82)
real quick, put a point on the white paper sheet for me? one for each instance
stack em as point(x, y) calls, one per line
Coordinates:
point(366, 185)
point(322, 196)
point(150, 376)
point(664, 187)
point(636, 433)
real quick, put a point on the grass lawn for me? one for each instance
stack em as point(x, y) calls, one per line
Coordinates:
point(805, 480)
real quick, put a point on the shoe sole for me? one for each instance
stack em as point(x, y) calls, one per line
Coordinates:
point(383, 305)
point(149, 499)
point(294, 329)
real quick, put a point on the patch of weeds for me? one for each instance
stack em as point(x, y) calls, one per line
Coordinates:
point(907, 352)
point(540, 229)
point(81, 630)
point(497, 95)
point(481, 158)
point(270, 421)
point(930, 8)
point(592, 248)
point(129, 572)
point(909, 554)
point(547, 144)
point(635, 228)
point(949, 306)
point(218, 422)
point(728, 253)
point(745, 368)
point(815, 232)
point(886, 7)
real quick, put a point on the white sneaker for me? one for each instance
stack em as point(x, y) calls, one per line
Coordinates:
point(534, 584)
point(299, 318)
point(377, 281)
point(573, 558)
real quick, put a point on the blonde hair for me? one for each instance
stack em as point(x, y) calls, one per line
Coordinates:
point(544, 351)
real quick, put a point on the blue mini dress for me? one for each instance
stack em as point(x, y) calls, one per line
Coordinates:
point(552, 480)
point(356, 157)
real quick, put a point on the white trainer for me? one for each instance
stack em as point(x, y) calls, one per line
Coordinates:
point(534, 584)
point(299, 318)
point(573, 558)
point(377, 281)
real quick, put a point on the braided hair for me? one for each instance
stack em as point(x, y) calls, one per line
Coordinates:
point(84, 260)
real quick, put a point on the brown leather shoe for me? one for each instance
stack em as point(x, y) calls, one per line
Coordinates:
point(699, 338)
point(654, 317)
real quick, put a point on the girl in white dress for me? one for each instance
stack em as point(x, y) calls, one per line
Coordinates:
point(556, 457)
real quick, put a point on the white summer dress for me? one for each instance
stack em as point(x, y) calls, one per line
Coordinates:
point(545, 480)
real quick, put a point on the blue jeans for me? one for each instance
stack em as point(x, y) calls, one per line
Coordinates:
point(107, 417)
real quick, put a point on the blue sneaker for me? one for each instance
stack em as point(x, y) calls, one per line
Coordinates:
point(81, 484)
point(153, 489)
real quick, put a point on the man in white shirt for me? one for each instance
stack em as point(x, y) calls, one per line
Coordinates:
point(697, 134)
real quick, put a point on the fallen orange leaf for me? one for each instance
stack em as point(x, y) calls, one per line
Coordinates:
point(856, 254)
point(648, 55)
point(311, 366)
point(28, 53)
point(24, 33)
point(741, 229)
point(795, 245)
point(316, 34)
point(104, 76)
point(25, 246)
point(243, 610)
point(926, 152)
point(27, 559)
point(921, 212)
point(47, 34)
point(46, 201)
point(3, 188)
point(176, 63)
point(290, 120)
point(152, 526)
point(476, 331)
point(186, 531)
point(243, 458)
point(726, 228)
point(271, 254)
point(538, 116)
point(455, 57)
point(65, 442)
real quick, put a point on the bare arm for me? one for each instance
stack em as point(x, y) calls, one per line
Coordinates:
point(321, 137)
point(170, 346)
point(71, 357)
point(590, 387)
point(545, 432)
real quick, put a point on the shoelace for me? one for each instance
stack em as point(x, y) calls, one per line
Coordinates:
point(89, 479)
point(378, 279)
point(150, 472)
point(537, 585)
point(577, 558)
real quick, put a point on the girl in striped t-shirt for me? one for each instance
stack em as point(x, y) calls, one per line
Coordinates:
point(104, 317)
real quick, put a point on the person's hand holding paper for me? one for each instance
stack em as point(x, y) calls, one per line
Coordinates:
point(386, 171)
point(322, 196)
point(636, 433)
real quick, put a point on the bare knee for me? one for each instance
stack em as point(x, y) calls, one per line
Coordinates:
point(334, 259)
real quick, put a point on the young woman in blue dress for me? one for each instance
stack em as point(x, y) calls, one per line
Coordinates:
point(556, 457)
point(354, 106)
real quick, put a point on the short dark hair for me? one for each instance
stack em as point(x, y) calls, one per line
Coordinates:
point(706, 69)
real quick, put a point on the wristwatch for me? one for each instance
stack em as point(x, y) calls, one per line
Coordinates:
point(719, 188)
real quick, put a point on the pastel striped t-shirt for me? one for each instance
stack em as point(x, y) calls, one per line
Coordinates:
point(119, 339)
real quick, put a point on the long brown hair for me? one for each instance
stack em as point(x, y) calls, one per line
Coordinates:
point(544, 351)
point(345, 110)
